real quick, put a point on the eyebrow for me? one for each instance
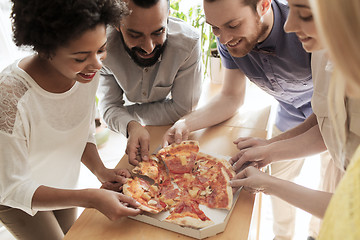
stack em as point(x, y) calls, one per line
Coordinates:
point(301, 6)
point(228, 22)
point(133, 31)
point(87, 52)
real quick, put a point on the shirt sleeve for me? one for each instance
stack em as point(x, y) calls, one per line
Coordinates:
point(16, 185)
point(111, 103)
point(185, 94)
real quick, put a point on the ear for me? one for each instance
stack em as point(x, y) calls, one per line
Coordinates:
point(263, 7)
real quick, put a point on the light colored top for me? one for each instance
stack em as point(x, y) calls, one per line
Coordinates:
point(42, 136)
point(342, 217)
point(156, 95)
point(350, 109)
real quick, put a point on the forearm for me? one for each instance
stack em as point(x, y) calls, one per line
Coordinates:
point(47, 198)
point(159, 113)
point(219, 109)
point(303, 145)
point(92, 160)
point(312, 201)
point(298, 130)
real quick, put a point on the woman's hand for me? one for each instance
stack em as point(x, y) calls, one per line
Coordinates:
point(253, 180)
point(113, 204)
point(114, 179)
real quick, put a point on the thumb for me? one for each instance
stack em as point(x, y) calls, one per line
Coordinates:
point(178, 136)
point(236, 183)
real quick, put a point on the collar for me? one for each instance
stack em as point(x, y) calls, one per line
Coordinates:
point(268, 46)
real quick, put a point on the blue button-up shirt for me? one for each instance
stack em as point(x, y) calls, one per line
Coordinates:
point(281, 67)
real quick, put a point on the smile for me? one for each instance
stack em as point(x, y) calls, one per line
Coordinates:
point(145, 55)
point(87, 76)
point(233, 44)
point(304, 39)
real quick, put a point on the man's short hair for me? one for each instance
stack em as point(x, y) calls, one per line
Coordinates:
point(251, 3)
point(147, 3)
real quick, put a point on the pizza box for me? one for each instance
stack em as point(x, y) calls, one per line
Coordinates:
point(220, 217)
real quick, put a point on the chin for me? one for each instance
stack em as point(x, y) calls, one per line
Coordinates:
point(238, 52)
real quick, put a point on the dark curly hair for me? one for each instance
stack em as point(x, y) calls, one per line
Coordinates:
point(45, 25)
point(147, 3)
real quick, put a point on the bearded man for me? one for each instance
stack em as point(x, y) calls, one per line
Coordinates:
point(254, 45)
point(152, 75)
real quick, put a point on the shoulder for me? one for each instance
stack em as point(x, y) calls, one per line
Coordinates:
point(182, 35)
point(12, 88)
point(113, 38)
point(12, 85)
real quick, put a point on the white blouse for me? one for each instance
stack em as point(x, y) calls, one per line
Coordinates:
point(42, 136)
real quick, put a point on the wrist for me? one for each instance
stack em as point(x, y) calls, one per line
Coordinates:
point(271, 185)
point(88, 198)
point(131, 126)
point(274, 152)
point(182, 123)
point(101, 173)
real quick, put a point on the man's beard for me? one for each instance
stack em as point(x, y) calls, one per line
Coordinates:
point(249, 43)
point(144, 62)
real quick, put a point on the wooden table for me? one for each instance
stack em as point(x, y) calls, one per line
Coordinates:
point(253, 121)
point(93, 225)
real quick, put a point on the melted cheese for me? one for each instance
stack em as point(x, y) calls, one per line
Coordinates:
point(183, 160)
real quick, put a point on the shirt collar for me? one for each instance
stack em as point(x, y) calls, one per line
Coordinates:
point(268, 46)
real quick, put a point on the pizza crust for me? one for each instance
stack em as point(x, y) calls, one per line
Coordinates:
point(194, 145)
point(228, 190)
point(228, 167)
point(187, 221)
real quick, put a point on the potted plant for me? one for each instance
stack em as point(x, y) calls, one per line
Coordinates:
point(210, 57)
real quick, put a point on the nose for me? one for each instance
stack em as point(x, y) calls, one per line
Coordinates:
point(291, 24)
point(148, 45)
point(224, 37)
point(97, 61)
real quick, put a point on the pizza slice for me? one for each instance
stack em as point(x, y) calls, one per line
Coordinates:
point(179, 158)
point(210, 186)
point(188, 214)
point(145, 194)
point(153, 168)
point(205, 162)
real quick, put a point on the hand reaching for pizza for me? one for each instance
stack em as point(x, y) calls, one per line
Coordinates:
point(137, 147)
point(248, 142)
point(112, 204)
point(258, 156)
point(253, 180)
point(114, 179)
point(177, 133)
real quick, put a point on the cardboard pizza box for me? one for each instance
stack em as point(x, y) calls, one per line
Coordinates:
point(220, 217)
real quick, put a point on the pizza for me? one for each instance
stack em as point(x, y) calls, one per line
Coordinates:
point(183, 179)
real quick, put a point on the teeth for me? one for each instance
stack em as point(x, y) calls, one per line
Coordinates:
point(234, 44)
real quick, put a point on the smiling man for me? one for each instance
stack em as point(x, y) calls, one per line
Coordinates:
point(254, 45)
point(152, 75)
